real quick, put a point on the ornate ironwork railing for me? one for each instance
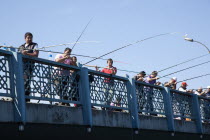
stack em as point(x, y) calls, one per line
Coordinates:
point(204, 108)
point(181, 104)
point(5, 74)
point(108, 91)
point(150, 98)
point(50, 81)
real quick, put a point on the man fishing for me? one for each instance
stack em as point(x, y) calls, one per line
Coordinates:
point(109, 83)
point(28, 48)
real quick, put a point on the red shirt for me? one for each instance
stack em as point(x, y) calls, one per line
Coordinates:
point(108, 71)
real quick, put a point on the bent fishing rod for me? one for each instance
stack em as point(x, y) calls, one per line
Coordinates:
point(185, 69)
point(128, 46)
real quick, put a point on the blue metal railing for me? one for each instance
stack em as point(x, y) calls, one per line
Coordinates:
point(150, 98)
point(54, 82)
point(204, 108)
point(25, 78)
point(181, 104)
point(5, 74)
point(108, 91)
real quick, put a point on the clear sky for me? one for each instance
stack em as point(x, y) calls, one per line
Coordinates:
point(117, 23)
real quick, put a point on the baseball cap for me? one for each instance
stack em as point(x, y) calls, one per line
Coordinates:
point(174, 78)
point(184, 83)
point(155, 72)
point(208, 86)
point(142, 72)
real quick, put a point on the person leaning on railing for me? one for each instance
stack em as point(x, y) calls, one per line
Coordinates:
point(74, 91)
point(62, 75)
point(172, 83)
point(151, 79)
point(140, 91)
point(28, 48)
point(184, 104)
point(200, 92)
point(109, 83)
point(208, 92)
point(183, 88)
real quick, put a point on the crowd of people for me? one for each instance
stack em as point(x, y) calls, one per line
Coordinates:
point(172, 83)
point(31, 49)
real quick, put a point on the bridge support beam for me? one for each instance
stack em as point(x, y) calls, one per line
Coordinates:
point(168, 109)
point(84, 90)
point(16, 69)
point(132, 102)
point(196, 113)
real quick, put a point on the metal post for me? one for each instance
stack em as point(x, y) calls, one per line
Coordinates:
point(132, 103)
point(85, 97)
point(18, 88)
point(196, 113)
point(168, 108)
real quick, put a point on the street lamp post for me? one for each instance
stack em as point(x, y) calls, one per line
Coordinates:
point(191, 40)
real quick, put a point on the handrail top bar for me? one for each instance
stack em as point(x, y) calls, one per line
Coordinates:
point(181, 92)
point(205, 98)
point(149, 85)
point(4, 52)
point(49, 62)
point(108, 75)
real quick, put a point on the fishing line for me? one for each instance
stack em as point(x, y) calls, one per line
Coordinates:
point(194, 78)
point(65, 44)
point(183, 62)
point(185, 69)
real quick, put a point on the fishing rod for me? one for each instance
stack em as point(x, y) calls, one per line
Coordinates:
point(128, 46)
point(185, 69)
point(81, 33)
point(62, 52)
point(198, 88)
point(65, 44)
point(119, 70)
point(109, 68)
point(183, 62)
point(194, 78)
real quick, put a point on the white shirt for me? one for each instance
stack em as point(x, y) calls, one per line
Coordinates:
point(182, 89)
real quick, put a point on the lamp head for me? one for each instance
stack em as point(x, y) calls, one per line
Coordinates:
point(188, 39)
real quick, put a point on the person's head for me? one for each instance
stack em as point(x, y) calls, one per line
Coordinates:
point(28, 37)
point(109, 62)
point(142, 74)
point(208, 88)
point(200, 89)
point(74, 58)
point(154, 74)
point(67, 51)
point(184, 84)
point(173, 80)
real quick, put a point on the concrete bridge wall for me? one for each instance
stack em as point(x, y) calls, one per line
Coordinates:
point(60, 115)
